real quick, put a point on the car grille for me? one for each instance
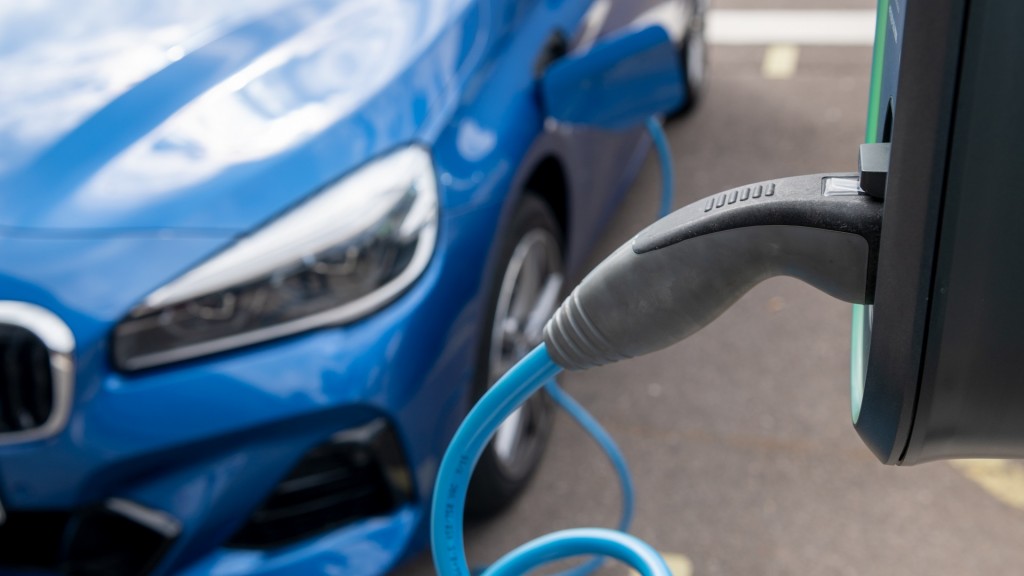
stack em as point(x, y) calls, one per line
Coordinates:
point(357, 474)
point(26, 380)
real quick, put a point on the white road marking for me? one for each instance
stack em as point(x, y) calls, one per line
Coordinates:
point(780, 61)
point(807, 27)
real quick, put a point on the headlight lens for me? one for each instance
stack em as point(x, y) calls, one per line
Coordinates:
point(336, 257)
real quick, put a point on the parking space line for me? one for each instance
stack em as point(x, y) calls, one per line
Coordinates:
point(780, 61)
point(1003, 479)
point(806, 27)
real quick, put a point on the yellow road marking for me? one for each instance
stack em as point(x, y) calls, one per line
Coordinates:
point(1003, 479)
point(677, 563)
point(780, 61)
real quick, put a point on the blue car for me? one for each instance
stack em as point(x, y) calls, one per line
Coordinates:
point(257, 259)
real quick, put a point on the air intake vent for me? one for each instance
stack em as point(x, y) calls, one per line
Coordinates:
point(26, 380)
point(118, 538)
point(357, 474)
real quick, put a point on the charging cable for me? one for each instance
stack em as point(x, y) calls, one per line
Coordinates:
point(535, 371)
point(584, 419)
point(657, 134)
point(666, 283)
point(531, 373)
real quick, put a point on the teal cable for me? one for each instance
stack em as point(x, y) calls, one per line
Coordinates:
point(463, 453)
point(615, 456)
point(661, 146)
point(567, 543)
point(565, 401)
point(533, 372)
point(607, 444)
point(446, 529)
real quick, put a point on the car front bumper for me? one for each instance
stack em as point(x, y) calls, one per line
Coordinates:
point(204, 443)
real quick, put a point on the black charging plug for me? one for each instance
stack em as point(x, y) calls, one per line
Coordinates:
point(683, 271)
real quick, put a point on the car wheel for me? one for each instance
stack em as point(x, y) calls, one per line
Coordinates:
point(693, 55)
point(524, 293)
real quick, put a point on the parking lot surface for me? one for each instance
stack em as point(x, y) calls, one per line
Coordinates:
point(739, 438)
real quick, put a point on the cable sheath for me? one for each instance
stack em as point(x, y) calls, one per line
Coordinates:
point(661, 146)
point(446, 531)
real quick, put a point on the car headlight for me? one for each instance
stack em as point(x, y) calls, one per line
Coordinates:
point(345, 252)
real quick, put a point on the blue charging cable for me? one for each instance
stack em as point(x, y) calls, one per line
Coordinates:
point(446, 533)
point(657, 134)
point(583, 418)
point(537, 370)
point(603, 439)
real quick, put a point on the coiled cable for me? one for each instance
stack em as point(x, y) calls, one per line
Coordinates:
point(537, 370)
point(446, 528)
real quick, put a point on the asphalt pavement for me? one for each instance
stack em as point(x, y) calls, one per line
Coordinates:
point(739, 438)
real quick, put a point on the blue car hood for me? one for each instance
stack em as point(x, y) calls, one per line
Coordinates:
point(209, 115)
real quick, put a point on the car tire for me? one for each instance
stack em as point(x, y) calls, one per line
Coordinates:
point(525, 290)
point(693, 56)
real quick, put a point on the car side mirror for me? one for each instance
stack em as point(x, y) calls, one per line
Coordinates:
point(618, 82)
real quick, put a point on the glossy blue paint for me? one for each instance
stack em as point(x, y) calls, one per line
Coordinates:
point(618, 83)
point(137, 140)
point(245, 124)
point(367, 548)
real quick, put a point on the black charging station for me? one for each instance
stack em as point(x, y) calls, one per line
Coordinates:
point(926, 240)
point(943, 344)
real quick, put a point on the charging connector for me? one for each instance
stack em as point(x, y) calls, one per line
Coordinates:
point(685, 270)
point(669, 281)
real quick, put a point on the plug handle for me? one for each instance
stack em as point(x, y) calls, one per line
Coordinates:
point(685, 270)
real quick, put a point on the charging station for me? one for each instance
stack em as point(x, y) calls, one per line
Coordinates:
point(925, 240)
point(938, 371)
